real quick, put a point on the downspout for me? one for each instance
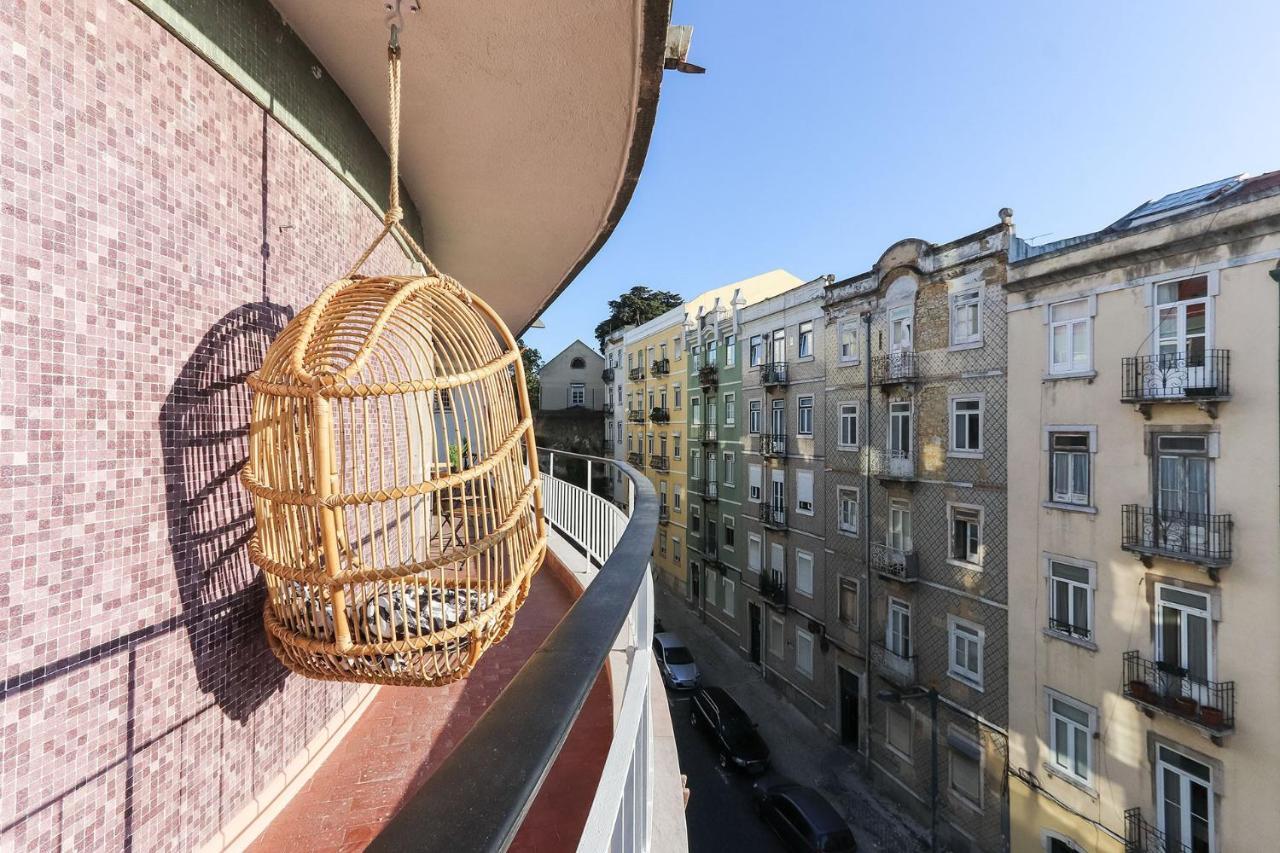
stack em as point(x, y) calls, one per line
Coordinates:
point(866, 526)
point(1275, 276)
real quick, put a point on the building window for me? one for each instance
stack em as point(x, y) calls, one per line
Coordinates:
point(804, 652)
point(1184, 788)
point(695, 519)
point(847, 500)
point(849, 425)
point(755, 551)
point(1069, 467)
point(1184, 637)
point(1070, 599)
point(712, 462)
point(675, 446)
point(729, 535)
point(755, 416)
point(728, 599)
point(966, 535)
point(849, 342)
point(730, 467)
point(964, 764)
point(577, 394)
point(695, 411)
point(966, 425)
point(695, 457)
point(755, 482)
point(806, 339)
point(966, 317)
point(713, 352)
point(675, 550)
point(897, 731)
point(804, 416)
point(849, 602)
point(1055, 843)
point(1071, 727)
point(755, 351)
point(651, 443)
point(713, 586)
point(965, 659)
point(804, 492)
point(804, 573)
point(730, 350)
point(730, 409)
point(678, 347)
point(578, 364)
point(662, 397)
point(675, 390)
point(899, 430)
point(776, 637)
point(897, 629)
point(662, 545)
point(1070, 333)
point(678, 496)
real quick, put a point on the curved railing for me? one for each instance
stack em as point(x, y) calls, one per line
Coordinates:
point(477, 799)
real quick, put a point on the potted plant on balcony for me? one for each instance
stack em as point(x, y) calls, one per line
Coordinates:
point(1140, 690)
point(1184, 706)
point(1211, 716)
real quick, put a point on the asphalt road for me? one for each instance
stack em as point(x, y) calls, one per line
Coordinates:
point(721, 817)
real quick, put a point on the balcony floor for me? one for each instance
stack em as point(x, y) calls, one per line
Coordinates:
point(406, 732)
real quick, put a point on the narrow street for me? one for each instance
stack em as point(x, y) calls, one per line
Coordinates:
point(720, 814)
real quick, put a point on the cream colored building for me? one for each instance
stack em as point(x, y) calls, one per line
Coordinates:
point(1143, 689)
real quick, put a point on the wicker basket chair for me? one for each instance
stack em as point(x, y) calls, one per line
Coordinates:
point(394, 474)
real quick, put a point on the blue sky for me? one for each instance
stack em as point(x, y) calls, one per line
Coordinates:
point(824, 131)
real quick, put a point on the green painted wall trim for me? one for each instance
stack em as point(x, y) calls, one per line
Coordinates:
point(249, 43)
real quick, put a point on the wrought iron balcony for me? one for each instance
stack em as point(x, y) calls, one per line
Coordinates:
point(660, 366)
point(1203, 378)
point(1080, 632)
point(893, 667)
point(660, 415)
point(773, 373)
point(894, 368)
point(659, 462)
point(635, 416)
point(707, 433)
point(607, 375)
point(1143, 837)
point(771, 445)
point(1160, 688)
point(708, 375)
point(636, 373)
point(894, 563)
point(898, 465)
point(664, 514)
point(774, 515)
point(710, 554)
point(635, 458)
point(1189, 537)
point(773, 588)
point(711, 491)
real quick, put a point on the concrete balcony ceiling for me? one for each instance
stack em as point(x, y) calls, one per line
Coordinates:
point(524, 126)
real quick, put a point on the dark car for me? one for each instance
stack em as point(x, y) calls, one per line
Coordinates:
point(729, 727)
point(802, 818)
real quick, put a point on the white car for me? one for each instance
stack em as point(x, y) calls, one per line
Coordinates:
point(676, 664)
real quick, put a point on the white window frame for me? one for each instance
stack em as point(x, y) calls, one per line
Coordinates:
point(730, 409)
point(952, 753)
point(850, 494)
point(906, 717)
point(730, 463)
point(804, 507)
point(801, 427)
point(755, 482)
point(968, 294)
point(804, 578)
point(844, 414)
point(755, 552)
point(964, 560)
point(695, 464)
point(953, 445)
point(1091, 588)
point(727, 525)
point(805, 340)
point(904, 608)
point(755, 416)
point(853, 355)
point(711, 580)
point(970, 632)
point(728, 601)
point(804, 652)
point(675, 388)
point(1069, 499)
point(577, 394)
point(730, 350)
point(1086, 328)
point(676, 497)
point(695, 519)
point(777, 634)
point(1052, 696)
point(676, 445)
point(755, 351)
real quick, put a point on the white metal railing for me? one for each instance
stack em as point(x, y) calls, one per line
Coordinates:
point(621, 815)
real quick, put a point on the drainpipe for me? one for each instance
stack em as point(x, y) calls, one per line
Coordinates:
point(866, 524)
point(1275, 276)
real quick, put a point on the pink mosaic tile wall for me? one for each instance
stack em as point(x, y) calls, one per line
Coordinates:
point(140, 708)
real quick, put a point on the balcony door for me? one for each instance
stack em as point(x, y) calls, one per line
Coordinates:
point(1184, 639)
point(778, 347)
point(899, 526)
point(778, 426)
point(897, 632)
point(1182, 490)
point(1184, 794)
point(778, 501)
point(777, 562)
point(899, 437)
point(1182, 336)
point(900, 328)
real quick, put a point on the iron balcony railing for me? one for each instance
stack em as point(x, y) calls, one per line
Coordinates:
point(635, 458)
point(1143, 837)
point(1171, 690)
point(659, 462)
point(894, 367)
point(895, 563)
point(708, 375)
point(897, 669)
point(636, 373)
point(635, 416)
point(707, 433)
point(772, 445)
point(710, 553)
point(664, 514)
point(1176, 377)
point(899, 465)
point(1190, 537)
point(773, 515)
point(1080, 632)
point(660, 366)
point(773, 587)
point(660, 415)
point(606, 375)
point(711, 490)
point(773, 373)
point(478, 796)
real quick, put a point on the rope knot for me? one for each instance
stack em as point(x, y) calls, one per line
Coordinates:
point(394, 214)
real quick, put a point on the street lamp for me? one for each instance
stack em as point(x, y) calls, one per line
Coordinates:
point(895, 697)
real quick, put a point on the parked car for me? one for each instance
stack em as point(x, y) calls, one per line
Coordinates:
point(802, 818)
point(735, 736)
point(676, 664)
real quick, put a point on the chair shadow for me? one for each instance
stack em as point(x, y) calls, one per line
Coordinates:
point(204, 428)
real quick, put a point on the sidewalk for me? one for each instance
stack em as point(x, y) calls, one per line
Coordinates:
point(800, 750)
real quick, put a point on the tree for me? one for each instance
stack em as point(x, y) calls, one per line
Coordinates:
point(638, 305)
point(532, 364)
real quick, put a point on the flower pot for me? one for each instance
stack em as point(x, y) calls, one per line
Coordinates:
point(1185, 706)
point(1211, 717)
point(1140, 690)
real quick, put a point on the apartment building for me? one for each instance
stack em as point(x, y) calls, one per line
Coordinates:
point(1143, 528)
point(914, 527)
point(573, 379)
point(784, 609)
point(614, 378)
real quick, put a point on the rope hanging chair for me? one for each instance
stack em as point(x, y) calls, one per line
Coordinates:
point(393, 473)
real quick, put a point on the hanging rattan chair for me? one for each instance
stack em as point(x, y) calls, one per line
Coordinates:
point(394, 476)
